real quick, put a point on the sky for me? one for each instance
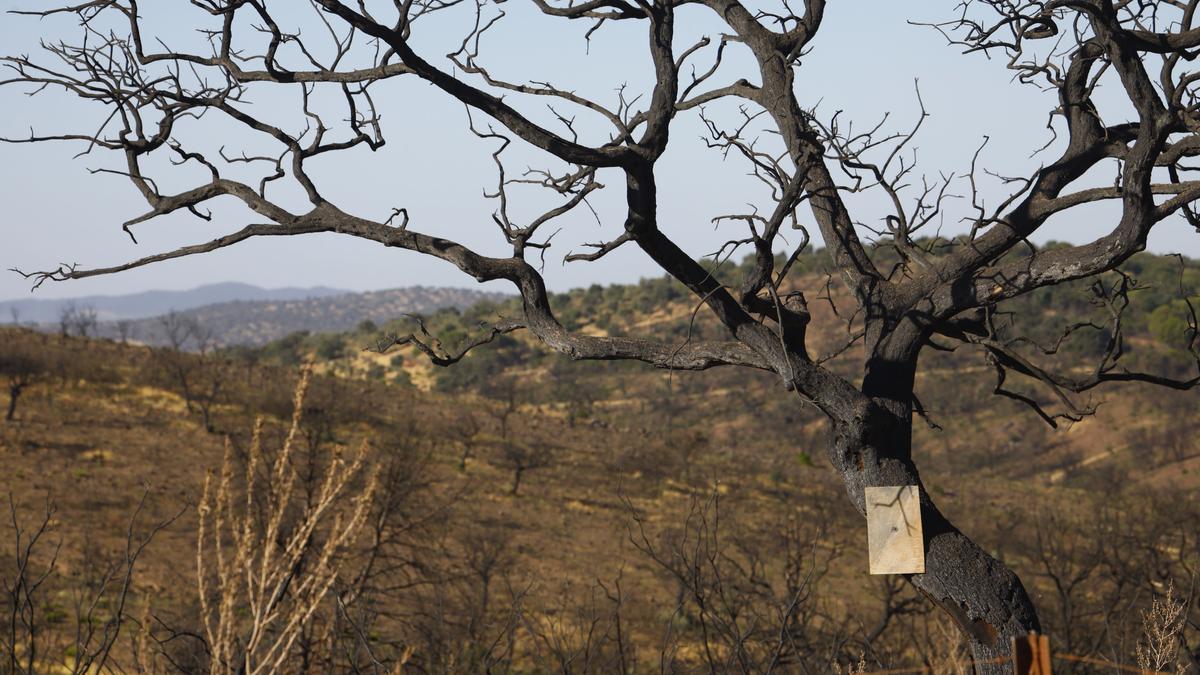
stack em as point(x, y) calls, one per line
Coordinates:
point(866, 63)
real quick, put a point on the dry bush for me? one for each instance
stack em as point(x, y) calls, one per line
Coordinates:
point(737, 609)
point(267, 554)
point(1162, 624)
point(859, 668)
point(584, 632)
point(53, 624)
point(949, 655)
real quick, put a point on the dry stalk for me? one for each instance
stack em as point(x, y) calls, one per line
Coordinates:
point(1161, 625)
point(949, 656)
point(859, 668)
point(267, 560)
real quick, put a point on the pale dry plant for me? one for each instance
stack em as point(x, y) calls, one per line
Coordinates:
point(852, 669)
point(949, 655)
point(1161, 625)
point(144, 657)
point(267, 559)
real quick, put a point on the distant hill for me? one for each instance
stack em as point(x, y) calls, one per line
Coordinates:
point(257, 322)
point(154, 303)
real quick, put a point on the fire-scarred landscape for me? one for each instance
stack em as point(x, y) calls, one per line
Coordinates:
point(599, 336)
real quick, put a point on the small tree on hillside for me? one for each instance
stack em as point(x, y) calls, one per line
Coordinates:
point(1130, 150)
point(125, 330)
point(523, 455)
point(74, 319)
point(519, 452)
point(186, 360)
point(466, 431)
point(22, 363)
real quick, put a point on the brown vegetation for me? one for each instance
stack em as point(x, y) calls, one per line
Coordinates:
point(623, 556)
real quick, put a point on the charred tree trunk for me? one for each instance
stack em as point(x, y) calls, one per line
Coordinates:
point(516, 481)
point(986, 599)
point(14, 393)
point(873, 446)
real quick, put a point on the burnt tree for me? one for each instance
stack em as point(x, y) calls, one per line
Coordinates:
point(23, 361)
point(912, 291)
point(187, 361)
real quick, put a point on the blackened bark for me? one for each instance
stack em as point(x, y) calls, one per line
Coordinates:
point(516, 481)
point(874, 448)
point(985, 598)
point(14, 392)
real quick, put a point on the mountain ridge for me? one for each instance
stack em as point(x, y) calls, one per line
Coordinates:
point(146, 304)
point(257, 322)
point(239, 313)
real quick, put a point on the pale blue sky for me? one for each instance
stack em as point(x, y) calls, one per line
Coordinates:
point(864, 62)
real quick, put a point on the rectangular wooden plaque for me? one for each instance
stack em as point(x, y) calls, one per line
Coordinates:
point(894, 535)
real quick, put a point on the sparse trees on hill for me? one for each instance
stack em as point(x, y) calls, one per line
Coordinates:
point(78, 320)
point(1123, 137)
point(438, 581)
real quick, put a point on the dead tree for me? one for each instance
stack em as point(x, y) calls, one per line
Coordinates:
point(466, 431)
point(23, 361)
point(521, 456)
point(20, 372)
point(1130, 151)
point(125, 330)
point(180, 332)
point(584, 633)
point(74, 319)
point(517, 451)
point(747, 614)
point(30, 581)
point(199, 376)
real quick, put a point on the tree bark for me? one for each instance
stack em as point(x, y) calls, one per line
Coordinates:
point(516, 481)
point(14, 392)
point(983, 596)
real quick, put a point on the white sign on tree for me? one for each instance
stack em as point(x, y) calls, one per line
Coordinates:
point(894, 535)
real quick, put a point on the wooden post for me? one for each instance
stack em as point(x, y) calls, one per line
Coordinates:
point(1031, 655)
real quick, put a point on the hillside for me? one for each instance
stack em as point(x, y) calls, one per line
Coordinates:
point(661, 521)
